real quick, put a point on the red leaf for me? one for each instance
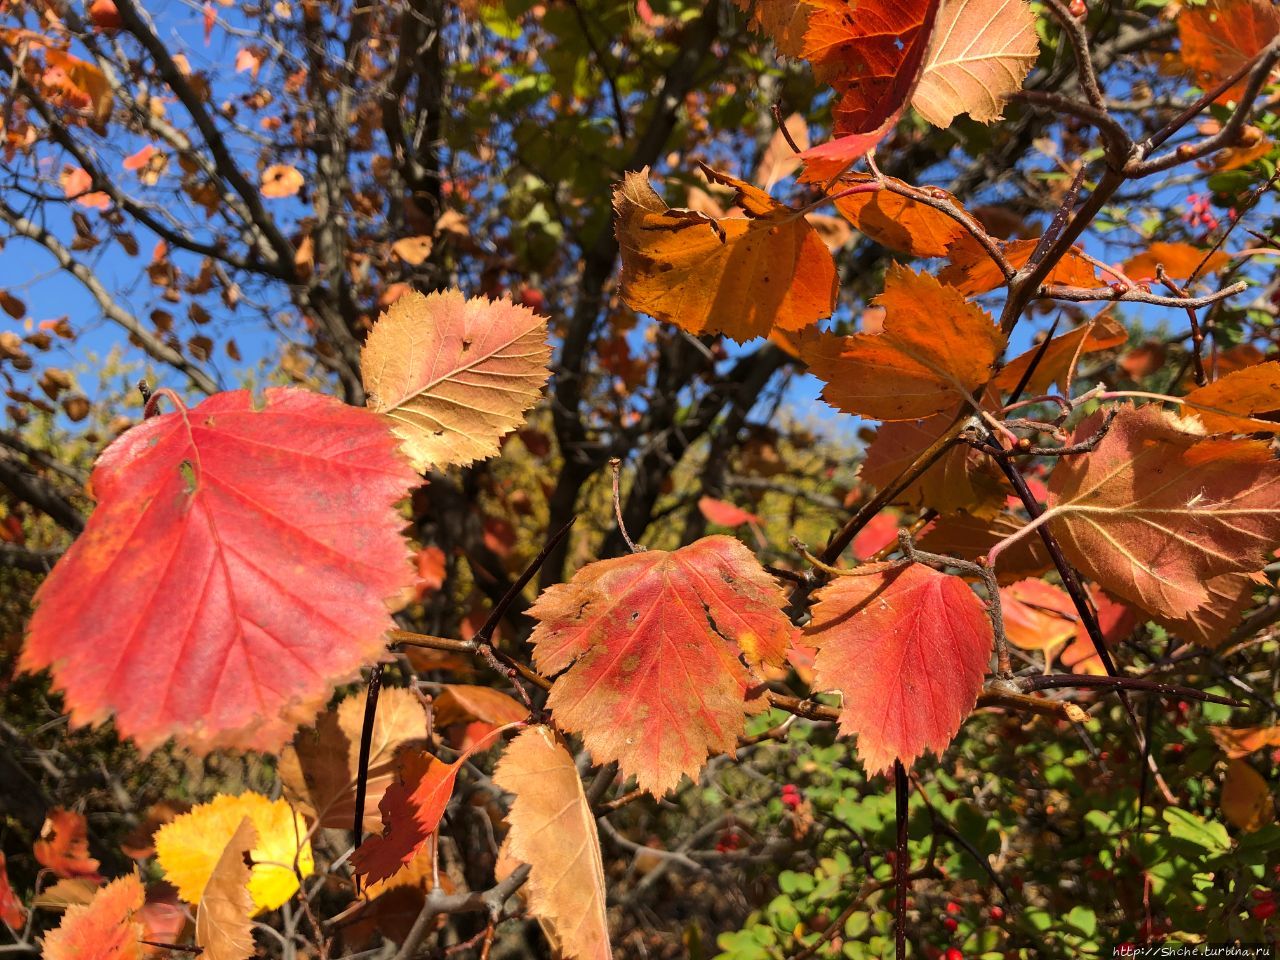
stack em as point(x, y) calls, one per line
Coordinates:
point(11, 910)
point(872, 54)
point(881, 531)
point(724, 514)
point(63, 846)
point(237, 567)
point(907, 650)
point(653, 644)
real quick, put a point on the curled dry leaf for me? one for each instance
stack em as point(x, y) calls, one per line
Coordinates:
point(981, 52)
point(228, 539)
point(907, 651)
point(63, 846)
point(454, 374)
point(740, 276)
point(281, 180)
point(652, 646)
point(322, 765)
point(224, 925)
point(1238, 402)
point(934, 352)
point(188, 848)
point(554, 831)
point(106, 928)
point(1152, 513)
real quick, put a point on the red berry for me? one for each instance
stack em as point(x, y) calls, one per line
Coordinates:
point(1078, 9)
point(997, 913)
point(950, 923)
point(953, 954)
point(953, 907)
point(1261, 893)
point(1263, 909)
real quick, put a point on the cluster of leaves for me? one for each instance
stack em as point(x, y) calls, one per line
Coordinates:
point(246, 558)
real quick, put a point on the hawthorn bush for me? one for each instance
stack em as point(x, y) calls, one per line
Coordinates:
point(435, 548)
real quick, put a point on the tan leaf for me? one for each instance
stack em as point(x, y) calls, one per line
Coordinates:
point(1211, 623)
point(779, 160)
point(224, 928)
point(554, 831)
point(740, 276)
point(453, 374)
point(281, 180)
point(463, 703)
point(981, 52)
point(1152, 513)
point(412, 250)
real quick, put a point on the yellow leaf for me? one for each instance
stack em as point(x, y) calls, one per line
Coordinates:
point(189, 846)
point(1246, 799)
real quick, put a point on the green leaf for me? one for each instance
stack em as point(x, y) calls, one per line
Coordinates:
point(1187, 826)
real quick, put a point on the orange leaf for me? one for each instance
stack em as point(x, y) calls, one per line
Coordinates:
point(1237, 402)
point(77, 184)
point(63, 846)
point(981, 52)
point(934, 351)
point(1037, 615)
point(1246, 799)
point(900, 223)
point(215, 556)
point(779, 161)
point(1178, 260)
point(724, 514)
point(553, 829)
point(784, 21)
point(452, 374)
point(1238, 742)
point(1151, 513)
point(107, 928)
point(1058, 363)
point(740, 276)
point(281, 180)
point(1222, 36)
point(969, 538)
point(412, 250)
point(461, 702)
point(136, 161)
point(224, 925)
point(907, 650)
point(1210, 624)
point(973, 272)
point(652, 645)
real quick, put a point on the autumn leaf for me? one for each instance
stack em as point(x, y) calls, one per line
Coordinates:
point(907, 651)
point(981, 52)
point(1222, 36)
point(652, 645)
point(783, 21)
point(1238, 742)
point(1058, 360)
point(77, 185)
point(412, 250)
point(724, 514)
point(740, 276)
point(935, 350)
point(1178, 260)
point(465, 703)
point(63, 846)
point(901, 223)
point(961, 479)
point(84, 79)
point(107, 928)
point(779, 161)
point(973, 272)
point(1214, 621)
point(229, 539)
point(189, 846)
point(1116, 621)
point(1152, 513)
point(281, 180)
point(872, 53)
point(1246, 799)
point(12, 913)
point(1237, 402)
point(321, 766)
point(411, 809)
point(554, 831)
point(224, 928)
point(454, 374)
point(1037, 615)
point(969, 538)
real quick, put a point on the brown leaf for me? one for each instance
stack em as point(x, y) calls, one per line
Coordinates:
point(1246, 799)
point(224, 926)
